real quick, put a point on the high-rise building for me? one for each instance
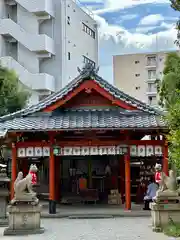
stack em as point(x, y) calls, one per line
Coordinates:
point(45, 41)
point(136, 74)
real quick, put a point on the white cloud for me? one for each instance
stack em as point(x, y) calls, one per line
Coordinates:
point(163, 25)
point(115, 40)
point(151, 19)
point(145, 29)
point(114, 5)
point(128, 17)
point(121, 35)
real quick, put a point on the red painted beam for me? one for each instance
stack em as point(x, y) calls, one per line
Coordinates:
point(91, 143)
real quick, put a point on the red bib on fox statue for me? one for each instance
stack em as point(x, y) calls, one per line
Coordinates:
point(33, 171)
point(158, 169)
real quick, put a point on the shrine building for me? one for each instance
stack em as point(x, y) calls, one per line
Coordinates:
point(79, 131)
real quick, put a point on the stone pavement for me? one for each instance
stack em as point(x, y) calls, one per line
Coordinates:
point(94, 229)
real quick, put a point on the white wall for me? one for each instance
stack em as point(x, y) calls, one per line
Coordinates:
point(78, 42)
point(28, 21)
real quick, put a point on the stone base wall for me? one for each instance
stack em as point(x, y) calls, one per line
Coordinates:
point(23, 219)
point(162, 213)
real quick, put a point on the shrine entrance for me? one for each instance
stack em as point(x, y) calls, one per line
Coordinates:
point(88, 123)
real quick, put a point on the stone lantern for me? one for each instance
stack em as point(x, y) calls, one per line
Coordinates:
point(4, 194)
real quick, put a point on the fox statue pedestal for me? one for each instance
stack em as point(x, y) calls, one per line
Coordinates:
point(4, 193)
point(24, 211)
point(24, 219)
point(166, 205)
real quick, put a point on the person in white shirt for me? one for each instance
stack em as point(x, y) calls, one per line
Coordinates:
point(150, 194)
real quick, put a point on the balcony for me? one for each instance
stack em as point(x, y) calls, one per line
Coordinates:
point(151, 80)
point(41, 8)
point(151, 62)
point(39, 43)
point(151, 92)
point(35, 81)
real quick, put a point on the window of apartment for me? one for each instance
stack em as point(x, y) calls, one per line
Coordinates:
point(151, 60)
point(152, 87)
point(87, 60)
point(136, 62)
point(137, 74)
point(137, 88)
point(68, 20)
point(88, 30)
point(69, 56)
point(152, 100)
point(151, 74)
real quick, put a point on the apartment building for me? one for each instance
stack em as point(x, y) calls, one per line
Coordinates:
point(45, 41)
point(136, 74)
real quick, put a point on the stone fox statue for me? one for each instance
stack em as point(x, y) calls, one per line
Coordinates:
point(168, 182)
point(23, 185)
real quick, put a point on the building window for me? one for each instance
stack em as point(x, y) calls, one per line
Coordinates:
point(87, 60)
point(152, 87)
point(69, 56)
point(151, 60)
point(68, 20)
point(88, 30)
point(137, 88)
point(137, 74)
point(152, 100)
point(151, 74)
point(136, 62)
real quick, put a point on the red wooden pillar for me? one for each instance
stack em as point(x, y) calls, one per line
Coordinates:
point(127, 180)
point(52, 193)
point(122, 179)
point(13, 168)
point(58, 177)
point(165, 158)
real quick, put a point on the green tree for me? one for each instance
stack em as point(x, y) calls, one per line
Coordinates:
point(173, 121)
point(169, 87)
point(13, 95)
point(175, 4)
point(169, 94)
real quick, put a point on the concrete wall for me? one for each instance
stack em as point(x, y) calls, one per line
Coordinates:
point(134, 75)
point(41, 44)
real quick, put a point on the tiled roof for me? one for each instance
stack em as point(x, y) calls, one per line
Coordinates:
point(87, 72)
point(83, 119)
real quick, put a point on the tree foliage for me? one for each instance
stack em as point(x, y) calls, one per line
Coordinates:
point(175, 4)
point(173, 120)
point(169, 93)
point(169, 87)
point(13, 96)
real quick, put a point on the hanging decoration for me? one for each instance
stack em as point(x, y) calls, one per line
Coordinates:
point(140, 151)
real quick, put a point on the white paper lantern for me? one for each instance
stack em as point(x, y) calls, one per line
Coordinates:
point(141, 151)
point(158, 150)
point(149, 150)
point(67, 151)
point(30, 152)
point(46, 151)
point(111, 150)
point(85, 151)
point(133, 150)
point(76, 151)
point(21, 152)
point(119, 150)
point(94, 150)
point(38, 152)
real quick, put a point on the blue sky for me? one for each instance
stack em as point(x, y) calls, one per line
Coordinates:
point(130, 26)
